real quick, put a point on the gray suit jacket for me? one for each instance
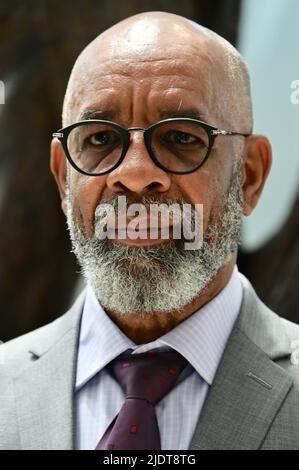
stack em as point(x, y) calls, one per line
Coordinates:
point(253, 402)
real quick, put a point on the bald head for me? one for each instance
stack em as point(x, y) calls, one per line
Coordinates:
point(156, 37)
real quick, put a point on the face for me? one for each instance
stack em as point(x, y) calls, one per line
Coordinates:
point(136, 93)
point(134, 90)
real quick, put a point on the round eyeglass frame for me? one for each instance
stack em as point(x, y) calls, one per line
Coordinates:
point(212, 132)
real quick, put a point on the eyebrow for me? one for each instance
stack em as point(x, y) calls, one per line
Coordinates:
point(110, 115)
point(107, 115)
point(191, 113)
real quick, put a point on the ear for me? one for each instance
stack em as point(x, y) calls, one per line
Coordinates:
point(257, 164)
point(58, 165)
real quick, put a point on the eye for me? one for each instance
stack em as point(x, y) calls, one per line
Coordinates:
point(180, 138)
point(103, 138)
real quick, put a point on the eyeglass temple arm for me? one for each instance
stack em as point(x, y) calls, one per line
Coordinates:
point(222, 132)
point(59, 135)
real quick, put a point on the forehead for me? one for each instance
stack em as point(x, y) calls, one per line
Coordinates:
point(150, 79)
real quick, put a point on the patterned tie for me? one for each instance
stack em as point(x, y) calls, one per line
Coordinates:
point(145, 379)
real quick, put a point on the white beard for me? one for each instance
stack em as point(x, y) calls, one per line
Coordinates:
point(159, 278)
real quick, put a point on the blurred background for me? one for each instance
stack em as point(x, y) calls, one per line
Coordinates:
point(39, 42)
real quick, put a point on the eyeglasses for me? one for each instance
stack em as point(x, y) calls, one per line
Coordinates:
point(95, 147)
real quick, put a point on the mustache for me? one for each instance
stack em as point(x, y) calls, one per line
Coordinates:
point(121, 206)
point(144, 200)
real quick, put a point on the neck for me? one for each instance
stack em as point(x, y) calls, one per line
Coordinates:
point(146, 328)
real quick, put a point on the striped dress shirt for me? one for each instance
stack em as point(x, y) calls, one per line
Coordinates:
point(201, 339)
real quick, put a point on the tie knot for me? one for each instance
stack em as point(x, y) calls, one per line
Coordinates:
point(148, 376)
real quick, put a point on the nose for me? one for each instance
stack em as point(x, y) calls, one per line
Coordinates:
point(137, 172)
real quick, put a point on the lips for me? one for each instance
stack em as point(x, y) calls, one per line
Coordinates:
point(141, 229)
point(136, 230)
point(150, 234)
point(139, 232)
point(141, 225)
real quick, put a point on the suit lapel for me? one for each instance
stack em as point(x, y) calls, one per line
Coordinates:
point(44, 391)
point(248, 388)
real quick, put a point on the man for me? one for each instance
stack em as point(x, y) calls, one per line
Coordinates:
point(152, 308)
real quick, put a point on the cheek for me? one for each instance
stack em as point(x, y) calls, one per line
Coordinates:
point(200, 188)
point(87, 191)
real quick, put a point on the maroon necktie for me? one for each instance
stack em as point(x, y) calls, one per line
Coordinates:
point(145, 379)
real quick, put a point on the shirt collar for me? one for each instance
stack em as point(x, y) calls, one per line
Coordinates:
point(201, 338)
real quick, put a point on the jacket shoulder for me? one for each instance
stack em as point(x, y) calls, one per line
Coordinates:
point(16, 353)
